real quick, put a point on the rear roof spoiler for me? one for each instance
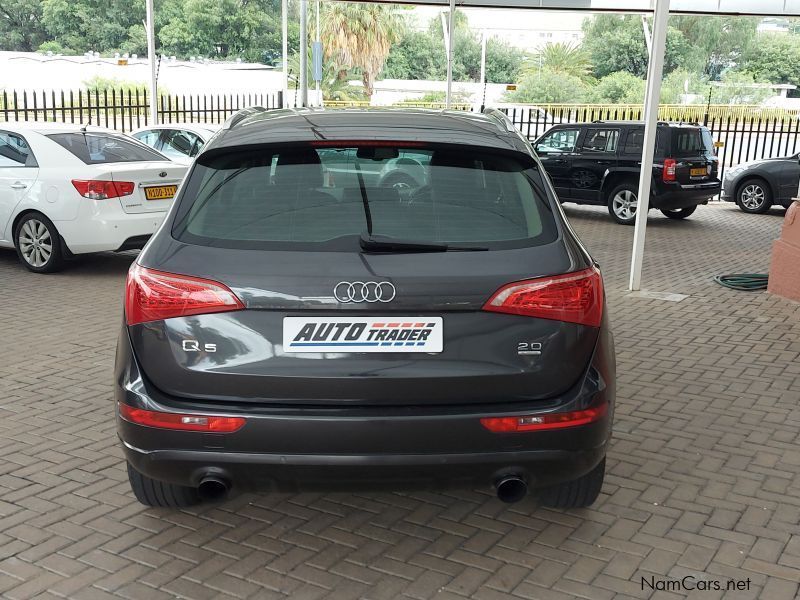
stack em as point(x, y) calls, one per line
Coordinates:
point(240, 115)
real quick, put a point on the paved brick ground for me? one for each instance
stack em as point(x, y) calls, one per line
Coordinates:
point(704, 471)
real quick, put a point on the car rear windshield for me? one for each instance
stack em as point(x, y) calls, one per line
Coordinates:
point(691, 142)
point(319, 198)
point(98, 148)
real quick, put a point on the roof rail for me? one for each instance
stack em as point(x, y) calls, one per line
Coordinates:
point(242, 114)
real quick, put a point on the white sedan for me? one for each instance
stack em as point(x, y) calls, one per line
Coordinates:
point(180, 142)
point(67, 190)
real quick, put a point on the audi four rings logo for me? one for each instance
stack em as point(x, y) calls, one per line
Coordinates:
point(364, 291)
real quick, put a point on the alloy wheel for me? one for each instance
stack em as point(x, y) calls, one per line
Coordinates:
point(35, 243)
point(753, 196)
point(625, 204)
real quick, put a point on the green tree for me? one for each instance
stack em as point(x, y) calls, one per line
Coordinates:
point(416, 56)
point(98, 25)
point(503, 61)
point(569, 59)
point(717, 43)
point(421, 55)
point(774, 57)
point(548, 87)
point(618, 88)
point(360, 35)
point(332, 85)
point(21, 26)
point(739, 87)
point(616, 43)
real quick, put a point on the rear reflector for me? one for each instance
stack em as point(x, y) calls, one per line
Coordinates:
point(96, 189)
point(523, 423)
point(575, 298)
point(154, 295)
point(668, 174)
point(180, 422)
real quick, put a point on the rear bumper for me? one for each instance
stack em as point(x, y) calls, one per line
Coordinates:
point(293, 472)
point(102, 226)
point(674, 196)
point(288, 448)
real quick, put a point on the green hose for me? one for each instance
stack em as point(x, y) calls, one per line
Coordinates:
point(748, 282)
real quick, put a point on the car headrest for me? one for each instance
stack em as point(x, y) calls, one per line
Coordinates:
point(453, 174)
point(310, 176)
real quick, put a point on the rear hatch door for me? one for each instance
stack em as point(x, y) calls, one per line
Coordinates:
point(290, 249)
point(693, 151)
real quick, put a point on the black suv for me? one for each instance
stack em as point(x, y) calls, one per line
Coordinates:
point(285, 328)
point(600, 162)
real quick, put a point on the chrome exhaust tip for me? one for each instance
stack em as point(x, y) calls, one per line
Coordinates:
point(213, 488)
point(511, 488)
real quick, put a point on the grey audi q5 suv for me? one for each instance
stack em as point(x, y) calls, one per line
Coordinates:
point(291, 329)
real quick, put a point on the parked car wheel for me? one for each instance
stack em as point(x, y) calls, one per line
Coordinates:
point(38, 243)
point(679, 213)
point(152, 492)
point(754, 196)
point(579, 493)
point(623, 202)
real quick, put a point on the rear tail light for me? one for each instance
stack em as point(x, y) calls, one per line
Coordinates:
point(154, 295)
point(181, 422)
point(574, 298)
point(668, 173)
point(98, 189)
point(524, 423)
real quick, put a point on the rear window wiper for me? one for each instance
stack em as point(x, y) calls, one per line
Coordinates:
point(380, 243)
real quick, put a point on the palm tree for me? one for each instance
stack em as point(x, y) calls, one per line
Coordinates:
point(360, 36)
point(562, 57)
point(333, 87)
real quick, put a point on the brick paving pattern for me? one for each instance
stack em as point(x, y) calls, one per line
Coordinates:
point(704, 469)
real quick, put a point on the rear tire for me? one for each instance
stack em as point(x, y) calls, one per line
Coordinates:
point(623, 202)
point(754, 196)
point(679, 213)
point(579, 493)
point(38, 244)
point(152, 492)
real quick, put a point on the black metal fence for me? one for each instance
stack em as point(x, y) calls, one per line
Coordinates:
point(744, 133)
point(126, 110)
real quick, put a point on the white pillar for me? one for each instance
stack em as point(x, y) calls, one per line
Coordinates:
point(655, 71)
point(450, 22)
point(303, 53)
point(318, 99)
point(151, 57)
point(285, 50)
